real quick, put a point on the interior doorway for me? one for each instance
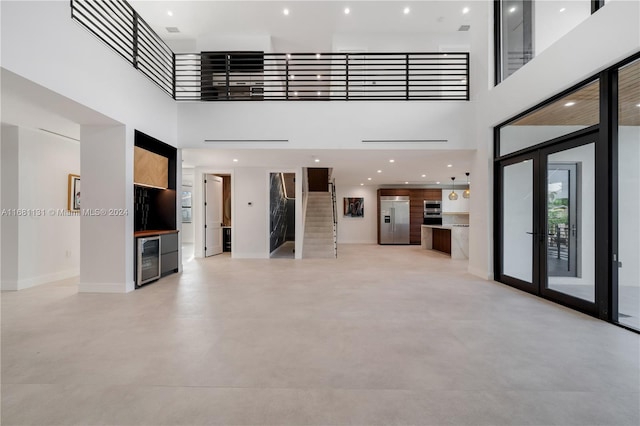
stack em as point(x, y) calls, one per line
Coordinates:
point(282, 215)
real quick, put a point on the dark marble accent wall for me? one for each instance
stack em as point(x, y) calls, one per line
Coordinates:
point(278, 212)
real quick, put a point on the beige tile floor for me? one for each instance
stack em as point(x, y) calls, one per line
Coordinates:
point(380, 336)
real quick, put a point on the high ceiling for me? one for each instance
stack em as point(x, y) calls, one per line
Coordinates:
point(321, 26)
point(309, 26)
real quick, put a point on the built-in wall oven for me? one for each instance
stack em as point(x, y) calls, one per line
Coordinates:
point(148, 260)
point(432, 212)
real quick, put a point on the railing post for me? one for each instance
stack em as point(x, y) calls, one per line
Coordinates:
point(346, 77)
point(286, 77)
point(173, 55)
point(135, 40)
point(468, 75)
point(407, 75)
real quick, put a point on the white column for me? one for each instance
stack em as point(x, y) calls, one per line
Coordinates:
point(106, 242)
point(9, 171)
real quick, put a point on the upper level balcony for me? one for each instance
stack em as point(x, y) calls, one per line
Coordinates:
point(263, 76)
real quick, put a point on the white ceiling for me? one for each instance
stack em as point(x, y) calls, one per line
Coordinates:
point(310, 25)
point(350, 167)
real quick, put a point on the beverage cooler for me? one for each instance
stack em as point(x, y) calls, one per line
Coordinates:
point(148, 260)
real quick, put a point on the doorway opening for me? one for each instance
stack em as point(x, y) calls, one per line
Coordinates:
point(282, 215)
point(217, 214)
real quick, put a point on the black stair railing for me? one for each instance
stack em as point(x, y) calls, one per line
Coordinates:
point(258, 76)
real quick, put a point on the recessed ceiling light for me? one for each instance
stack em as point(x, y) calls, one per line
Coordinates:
point(317, 160)
point(288, 55)
point(170, 13)
point(295, 93)
point(235, 160)
point(406, 183)
point(347, 11)
point(368, 178)
point(318, 76)
point(513, 9)
point(317, 56)
point(285, 11)
point(379, 171)
point(362, 184)
point(571, 103)
point(392, 161)
point(465, 10)
point(406, 10)
point(563, 9)
point(292, 77)
point(438, 183)
point(319, 92)
point(424, 175)
point(638, 105)
point(449, 165)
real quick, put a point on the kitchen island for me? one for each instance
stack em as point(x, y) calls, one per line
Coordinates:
point(449, 239)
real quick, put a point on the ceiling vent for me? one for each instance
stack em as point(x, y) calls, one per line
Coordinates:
point(173, 30)
point(464, 27)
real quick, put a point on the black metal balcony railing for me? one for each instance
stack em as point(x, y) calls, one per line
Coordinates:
point(241, 76)
point(119, 26)
point(219, 76)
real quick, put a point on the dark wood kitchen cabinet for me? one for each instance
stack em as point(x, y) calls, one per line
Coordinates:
point(442, 240)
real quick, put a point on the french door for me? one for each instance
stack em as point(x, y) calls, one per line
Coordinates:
point(546, 222)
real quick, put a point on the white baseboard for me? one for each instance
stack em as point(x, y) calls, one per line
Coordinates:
point(43, 279)
point(106, 288)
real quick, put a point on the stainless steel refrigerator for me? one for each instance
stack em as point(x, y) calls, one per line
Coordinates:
point(394, 220)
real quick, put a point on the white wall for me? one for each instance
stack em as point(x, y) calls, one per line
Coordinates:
point(9, 163)
point(72, 62)
point(250, 222)
point(629, 205)
point(44, 247)
point(326, 125)
point(581, 53)
point(549, 24)
point(106, 262)
point(354, 230)
point(377, 42)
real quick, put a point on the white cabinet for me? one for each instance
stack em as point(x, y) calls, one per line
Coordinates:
point(461, 205)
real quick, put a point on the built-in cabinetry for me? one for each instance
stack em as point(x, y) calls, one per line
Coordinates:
point(155, 204)
point(166, 256)
point(416, 207)
point(442, 240)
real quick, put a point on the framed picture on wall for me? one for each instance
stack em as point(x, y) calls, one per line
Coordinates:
point(73, 197)
point(353, 207)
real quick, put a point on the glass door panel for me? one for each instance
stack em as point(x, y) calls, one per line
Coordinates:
point(518, 221)
point(569, 251)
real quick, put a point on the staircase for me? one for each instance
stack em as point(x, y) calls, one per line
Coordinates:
point(319, 229)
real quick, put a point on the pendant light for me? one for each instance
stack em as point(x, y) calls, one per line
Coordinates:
point(453, 196)
point(467, 192)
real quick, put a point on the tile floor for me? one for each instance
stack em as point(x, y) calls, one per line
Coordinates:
point(380, 336)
